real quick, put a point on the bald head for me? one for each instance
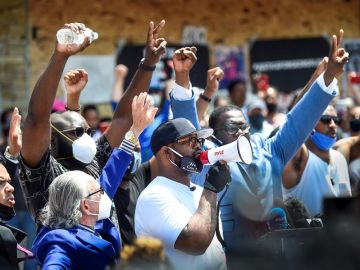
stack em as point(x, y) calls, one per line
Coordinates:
point(67, 120)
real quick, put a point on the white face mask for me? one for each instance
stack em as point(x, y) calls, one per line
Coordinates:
point(104, 207)
point(84, 149)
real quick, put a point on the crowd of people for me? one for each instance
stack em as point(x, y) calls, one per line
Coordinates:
point(132, 191)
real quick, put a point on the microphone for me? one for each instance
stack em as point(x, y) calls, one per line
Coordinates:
point(277, 220)
point(192, 188)
point(239, 150)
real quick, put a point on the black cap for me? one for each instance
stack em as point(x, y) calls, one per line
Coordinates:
point(173, 130)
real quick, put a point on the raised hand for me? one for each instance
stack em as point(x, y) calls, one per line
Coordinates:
point(214, 76)
point(71, 49)
point(184, 59)
point(15, 134)
point(143, 113)
point(155, 46)
point(338, 57)
point(75, 81)
point(121, 72)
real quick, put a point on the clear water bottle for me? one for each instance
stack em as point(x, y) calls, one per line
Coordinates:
point(66, 36)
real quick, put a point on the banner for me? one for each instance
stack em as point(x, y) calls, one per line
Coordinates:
point(289, 63)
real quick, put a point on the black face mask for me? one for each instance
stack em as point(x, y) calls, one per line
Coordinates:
point(256, 121)
point(355, 125)
point(271, 107)
point(6, 212)
point(188, 164)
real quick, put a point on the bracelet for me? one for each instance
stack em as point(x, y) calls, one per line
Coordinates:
point(73, 110)
point(10, 157)
point(205, 98)
point(145, 67)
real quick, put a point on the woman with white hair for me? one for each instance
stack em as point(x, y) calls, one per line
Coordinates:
point(77, 232)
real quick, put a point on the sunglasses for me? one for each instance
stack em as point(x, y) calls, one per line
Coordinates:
point(234, 128)
point(79, 131)
point(192, 141)
point(326, 119)
point(101, 190)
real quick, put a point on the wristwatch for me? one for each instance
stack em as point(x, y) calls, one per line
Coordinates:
point(145, 67)
point(10, 157)
point(131, 136)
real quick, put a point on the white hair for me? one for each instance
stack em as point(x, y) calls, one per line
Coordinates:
point(65, 193)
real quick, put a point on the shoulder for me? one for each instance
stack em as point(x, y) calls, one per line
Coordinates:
point(50, 238)
point(158, 192)
point(157, 186)
point(337, 156)
point(55, 234)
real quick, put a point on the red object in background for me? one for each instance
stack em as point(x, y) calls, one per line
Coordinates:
point(355, 78)
point(262, 82)
point(103, 126)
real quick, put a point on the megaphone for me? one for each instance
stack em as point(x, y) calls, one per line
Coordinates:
point(239, 150)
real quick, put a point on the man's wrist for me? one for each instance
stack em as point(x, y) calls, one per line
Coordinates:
point(183, 79)
point(73, 108)
point(205, 98)
point(59, 56)
point(146, 65)
point(136, 131)
point(208, 186)
point(9, 155)
point(331, 88)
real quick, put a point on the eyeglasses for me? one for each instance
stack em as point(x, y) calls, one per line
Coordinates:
point(192, 141)
point(101, 190)
point(79, 131)
point(234, 128)
point(326, 119)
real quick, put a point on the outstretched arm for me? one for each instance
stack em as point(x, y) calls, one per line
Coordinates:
point(121, 72)
point(75, 81)
point(122, 120)
point(307, 112)
point(36, 139)
point(182, 97)
point(15, 143)
point(143, 114)
point(214, 76)
point(318, 71)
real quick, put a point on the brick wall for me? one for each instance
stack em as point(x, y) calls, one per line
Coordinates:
point(228, 21)
point(13, 55)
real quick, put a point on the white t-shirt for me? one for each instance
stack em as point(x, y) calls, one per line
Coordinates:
point(163, 210)
point(320, 180)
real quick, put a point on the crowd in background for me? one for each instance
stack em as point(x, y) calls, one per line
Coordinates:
point(131, 190)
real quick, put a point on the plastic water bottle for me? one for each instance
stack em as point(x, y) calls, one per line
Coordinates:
point(67, 36)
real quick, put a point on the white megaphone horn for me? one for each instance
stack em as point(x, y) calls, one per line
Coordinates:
point(239, 150)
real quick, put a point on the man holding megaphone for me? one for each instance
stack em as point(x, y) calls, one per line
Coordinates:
point(254, 187)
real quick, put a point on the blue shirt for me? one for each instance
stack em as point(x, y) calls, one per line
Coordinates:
point(79, 247)
point(254, 187)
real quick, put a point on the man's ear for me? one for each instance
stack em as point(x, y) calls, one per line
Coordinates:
point(165, 152)
point(84, 207)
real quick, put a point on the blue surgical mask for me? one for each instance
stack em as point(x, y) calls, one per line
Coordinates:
point(322, 141)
